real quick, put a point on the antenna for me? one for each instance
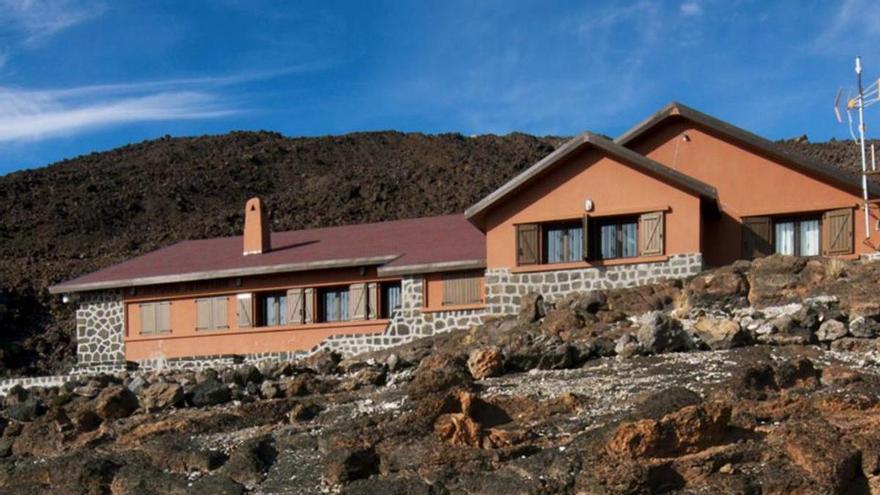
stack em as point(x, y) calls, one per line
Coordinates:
point(863, 99)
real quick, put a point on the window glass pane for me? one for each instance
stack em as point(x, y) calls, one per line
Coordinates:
point(630, 239)
point(390, 299)
point(809, 238)
point(608, 241)
point(343, 305)
point(784, 237)
point(555, 246)
point(270, 310)
point(330, 306)
point(282, 310)
point(575, 244)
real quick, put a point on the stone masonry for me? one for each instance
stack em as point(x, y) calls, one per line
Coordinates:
point(100, 331)
point(505, 288)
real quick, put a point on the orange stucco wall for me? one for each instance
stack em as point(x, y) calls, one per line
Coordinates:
point(748, 184)
point(185, 340)
point(615, 188)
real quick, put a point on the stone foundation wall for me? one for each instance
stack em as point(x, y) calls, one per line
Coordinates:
point(505, 288)
point(100, 332)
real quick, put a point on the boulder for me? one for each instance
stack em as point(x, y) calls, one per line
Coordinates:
point(658, 334)
point(323, 362)
point(137, 384)
point(116, 402)
point(484, 363)
point(689, 429)
point(531, 308)
point(819, 449)
point(161, 395)
point(437, 373)
point(831, 330)
point(85, 419)
point(721, 333)
point(249, 462)
point(270, 390)
point(459, 429)
point(722, 288)
point(561, 322)
point(590, 303)
point(209, 393)
point(627, 346)
point(247, 374)
point(27, 410)
point(864, 327)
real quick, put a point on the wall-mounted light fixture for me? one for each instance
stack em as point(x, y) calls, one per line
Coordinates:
point(588, 205)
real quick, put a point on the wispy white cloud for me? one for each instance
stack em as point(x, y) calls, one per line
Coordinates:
point(38, 20)
point(691, 8)
point(855, 25)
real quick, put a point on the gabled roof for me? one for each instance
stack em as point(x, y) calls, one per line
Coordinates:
point(476, 212)
point(419, 245)
point(798, 161)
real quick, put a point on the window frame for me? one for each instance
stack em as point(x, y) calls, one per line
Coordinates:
point(618, 222)
point(261, 317)
point(343, 308)
point(386, 312)
point(568, 226)
point(796, 220)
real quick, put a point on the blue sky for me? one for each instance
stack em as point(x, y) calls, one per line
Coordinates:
point(77, 77)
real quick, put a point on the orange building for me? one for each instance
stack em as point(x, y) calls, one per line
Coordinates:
point(679, 191)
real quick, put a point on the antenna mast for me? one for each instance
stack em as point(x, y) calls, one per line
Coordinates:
point(865, 98)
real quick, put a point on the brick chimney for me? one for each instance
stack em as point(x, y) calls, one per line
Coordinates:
point(256, 228)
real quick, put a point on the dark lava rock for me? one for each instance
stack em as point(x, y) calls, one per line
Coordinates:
point(250, 461)
point(27, 410)
point(217, 485)
point(209, 392)
point(531, 308)
point(393, 486)
point(116, 402)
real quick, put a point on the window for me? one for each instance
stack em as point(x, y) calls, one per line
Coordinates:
point(273, 309)
point(617, 238)
point(462, 288)
point(797, 236)
point(389, 299)
point(334, 304)
point(563, 243)
point(211, 313)
point(155, 317)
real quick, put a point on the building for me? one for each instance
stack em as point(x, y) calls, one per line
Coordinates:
point(679, 191)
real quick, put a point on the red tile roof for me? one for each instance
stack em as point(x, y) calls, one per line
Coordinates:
point(401, 246)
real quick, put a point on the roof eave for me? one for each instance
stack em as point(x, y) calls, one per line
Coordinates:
point(67, 288)
point(750, 138)
point(442, 266)
point(476, 213)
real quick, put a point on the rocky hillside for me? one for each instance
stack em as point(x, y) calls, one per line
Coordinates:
point(759, 378)
point(86, 213)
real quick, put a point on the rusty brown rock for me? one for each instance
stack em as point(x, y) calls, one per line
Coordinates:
point(484, 363)
point(690, 428)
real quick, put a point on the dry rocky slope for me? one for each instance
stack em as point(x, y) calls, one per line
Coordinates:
point(89, 212)
point(757, 378)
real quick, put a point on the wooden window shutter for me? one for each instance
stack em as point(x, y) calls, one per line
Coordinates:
point(462, 289)
point(586, 236)
point(837, 232)
point(757, 237)
point(357, 302)
point(651, 237)
point(294, 306)
point(373, 308)
point(527, 244)
point(219, 318)
point(245, 310)
point(148, 318)
point(203, 314)
point(163, 316)
point(308, 305)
